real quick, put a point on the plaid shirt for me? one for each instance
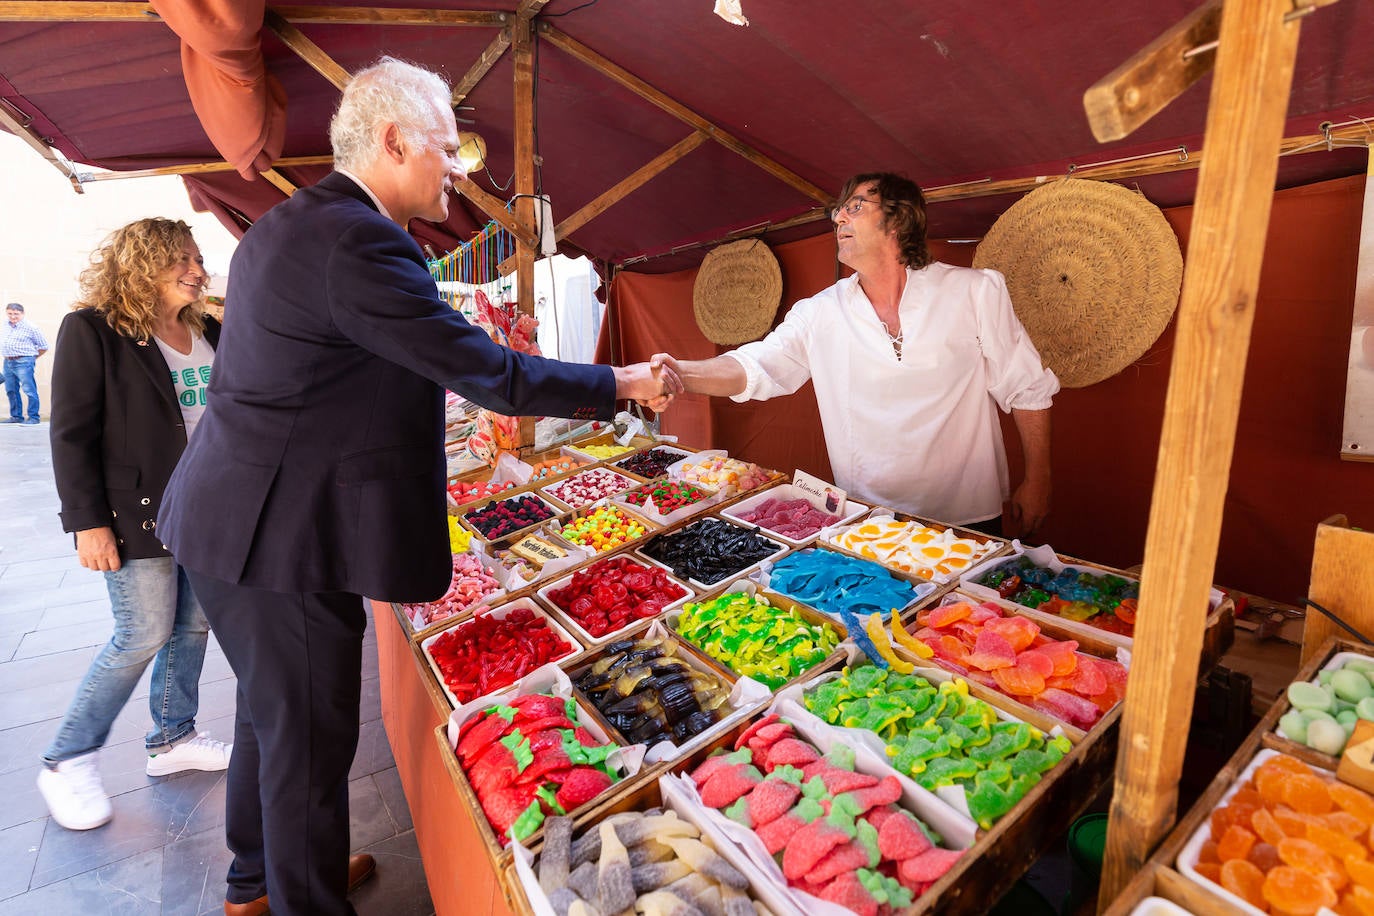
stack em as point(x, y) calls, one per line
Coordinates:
point(23, 339)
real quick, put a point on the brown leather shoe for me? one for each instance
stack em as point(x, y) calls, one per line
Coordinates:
point(360, 868)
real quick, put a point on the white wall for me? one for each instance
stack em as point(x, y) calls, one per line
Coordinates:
point(48, 231)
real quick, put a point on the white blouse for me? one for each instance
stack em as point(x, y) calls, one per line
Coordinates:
point(917, 433)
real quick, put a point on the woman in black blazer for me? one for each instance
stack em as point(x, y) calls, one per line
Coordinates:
point(131, 367)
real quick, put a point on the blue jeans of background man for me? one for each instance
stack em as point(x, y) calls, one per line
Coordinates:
point(157, 618)
point(19, 377)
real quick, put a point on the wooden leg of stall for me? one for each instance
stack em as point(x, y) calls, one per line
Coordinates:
point(1342, 582)
point(461, 879)
point(1245, 117)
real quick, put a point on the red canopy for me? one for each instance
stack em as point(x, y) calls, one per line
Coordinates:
point(944, 92)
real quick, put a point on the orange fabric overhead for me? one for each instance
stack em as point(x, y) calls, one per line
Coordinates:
point(1286, 474)
point(241, 106)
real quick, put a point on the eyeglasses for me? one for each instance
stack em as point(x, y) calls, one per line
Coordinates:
point(851, 207)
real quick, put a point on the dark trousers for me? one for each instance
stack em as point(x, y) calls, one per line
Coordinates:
point(992, 526)
point(298, 660)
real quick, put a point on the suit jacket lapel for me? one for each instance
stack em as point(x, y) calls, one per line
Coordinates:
point(150, 358)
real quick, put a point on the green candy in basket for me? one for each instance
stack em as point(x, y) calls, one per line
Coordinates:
point(772, 645)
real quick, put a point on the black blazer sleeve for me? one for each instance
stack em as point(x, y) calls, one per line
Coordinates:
point(77, 427)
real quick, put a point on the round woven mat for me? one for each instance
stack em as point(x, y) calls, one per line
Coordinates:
point(737, 292)
point(1094, 272)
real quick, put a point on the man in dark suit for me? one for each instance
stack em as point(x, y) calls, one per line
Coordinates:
point(317, 474)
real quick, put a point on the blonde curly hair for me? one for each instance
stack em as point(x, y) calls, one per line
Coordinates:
point(122, 281)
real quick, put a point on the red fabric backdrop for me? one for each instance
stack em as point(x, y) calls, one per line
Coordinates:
point(1286, 474)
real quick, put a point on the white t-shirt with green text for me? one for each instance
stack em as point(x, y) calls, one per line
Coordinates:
point(190, 377)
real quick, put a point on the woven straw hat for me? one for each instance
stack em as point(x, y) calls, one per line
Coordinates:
point(1094, 272)
point(737, 292)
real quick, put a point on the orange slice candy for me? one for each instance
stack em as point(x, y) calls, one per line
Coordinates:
point(1245, 881)
point(1361, 871)
point(1311, 858)
point(1338, 844)
point(1264, 856)
point(1361, 899)
point(1263, 823)
point(1307, 794)
point(1344, 822)
point(1296, 891)
point(1353, 801)
point(1235, 843)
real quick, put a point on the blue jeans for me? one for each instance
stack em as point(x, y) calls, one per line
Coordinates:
point(158, 618)
point(19, 375)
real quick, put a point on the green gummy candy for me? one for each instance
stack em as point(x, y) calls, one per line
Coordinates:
point(1351, 686)
point(738, 811)
point(868, 839)
point(1312, 715)
point(1347, 717)
point(815, 789)
point(1307, 696)
point(528, 821)
point(1365, 709)
point(999, 771)
point(1363, 665)
point(807, 810)
point(508, 712)
point(1327, 737)
point(987, 802)
point(841, 756)
point(945, 771)
point(787, 773)
point(866, 680)
point(846, 803)
point(1324, 677)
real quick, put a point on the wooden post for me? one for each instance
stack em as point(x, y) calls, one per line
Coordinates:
point(1254, 71)
point(522, 44)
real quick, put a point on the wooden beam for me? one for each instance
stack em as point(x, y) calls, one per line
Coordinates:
point(629, 184)
point(306, 49)
point(282, 183)
point(528, 9)
point(75, 11)
point(482, 67)
point(642, 89)
point(522, 40)
point(1153, 77)
point(1342, 582)
point(1245, 116)
point(495, 208)
point(200, 168)
point(26, 133)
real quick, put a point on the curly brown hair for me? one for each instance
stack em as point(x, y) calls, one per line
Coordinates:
point(121, 282)
point(904, 212)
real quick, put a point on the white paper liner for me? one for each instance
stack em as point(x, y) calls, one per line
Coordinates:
point(883, 514)
point(922, 590)
point(765, 891)
point(499, 613)
point(1188, 855)
point(954, 796)
point(1158, 906)
point(715, 586)
point(851, 511)
point(545, 595)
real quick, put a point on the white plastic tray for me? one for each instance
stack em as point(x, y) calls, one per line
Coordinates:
point(711, 586)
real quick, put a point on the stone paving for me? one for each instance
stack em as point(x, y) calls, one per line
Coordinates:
point(164, 851)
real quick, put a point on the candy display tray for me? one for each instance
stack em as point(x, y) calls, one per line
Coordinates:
point(1159, 875)
point(840, 656)
point(606, 437)
point(1060, 561)
point(925, 592)
point(828, 535)
point(629, 483)
point(739, 573)
point(501, 612)
point(784, 491)
point(544, 594)
point(650, 529)
point(681, 451)
point(556, 511)
point(1087, 645)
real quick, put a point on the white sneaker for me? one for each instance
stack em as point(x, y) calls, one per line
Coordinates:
point(75, 796)
point(200, 753)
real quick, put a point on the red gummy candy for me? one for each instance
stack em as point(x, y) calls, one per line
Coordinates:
point(992, 651)
point(900, 837)
point(728, 784)
point(789, 752)
point(1018, 631)
point(770, 800)
point(808, 846)
point(929, 866)
point(847, 891)
point(580, 786)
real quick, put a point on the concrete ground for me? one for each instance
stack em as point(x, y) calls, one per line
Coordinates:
point(164, 851)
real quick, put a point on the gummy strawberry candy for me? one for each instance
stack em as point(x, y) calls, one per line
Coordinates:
point(487, 732)
point(771, 799)
point(901, 838)
point(837, 780)
point(886, 792)
point(790, 752)
point(928, 867)
point(810, 844)
point(848, 891)
point(495, 769)
point(770, 719)
point(715, 762)
point(537, 706)
point(581, 785)
point(729, 783)
point(503, 806)
point(843, 858)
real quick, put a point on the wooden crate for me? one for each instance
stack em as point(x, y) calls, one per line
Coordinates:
point(1159, 877)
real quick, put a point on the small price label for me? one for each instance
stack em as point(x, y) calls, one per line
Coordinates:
point(824, 496)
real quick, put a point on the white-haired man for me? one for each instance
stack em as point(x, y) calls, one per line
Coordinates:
point(317, 472)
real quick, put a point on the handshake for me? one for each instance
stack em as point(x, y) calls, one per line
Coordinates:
point(652, 384)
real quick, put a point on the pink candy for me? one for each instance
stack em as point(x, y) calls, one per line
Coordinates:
point(793, 518)
point(589, 486)
point(470, 584)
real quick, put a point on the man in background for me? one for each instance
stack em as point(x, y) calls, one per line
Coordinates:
point(22, 345)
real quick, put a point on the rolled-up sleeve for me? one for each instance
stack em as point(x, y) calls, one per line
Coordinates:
point(1017, 378)
point(778, 364)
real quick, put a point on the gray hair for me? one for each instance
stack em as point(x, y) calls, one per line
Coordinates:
point(390, 91)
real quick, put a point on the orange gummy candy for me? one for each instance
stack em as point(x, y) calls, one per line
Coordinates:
point(1307, 794)
point(1209, 870)
point(1242, 813)
point(1208, 852)
point(1338, 844)
point(1296, 891)
point(1247, 795)
point(1235, 843)
point(1311, 858)
point(1361, 898)
point(1244, 880)
point(1361, 871)
point(1343, 822)
point(1293, 822)
point(1353, 801)
point(1286, 764)
point(1269, 784)
point(1263, 823)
